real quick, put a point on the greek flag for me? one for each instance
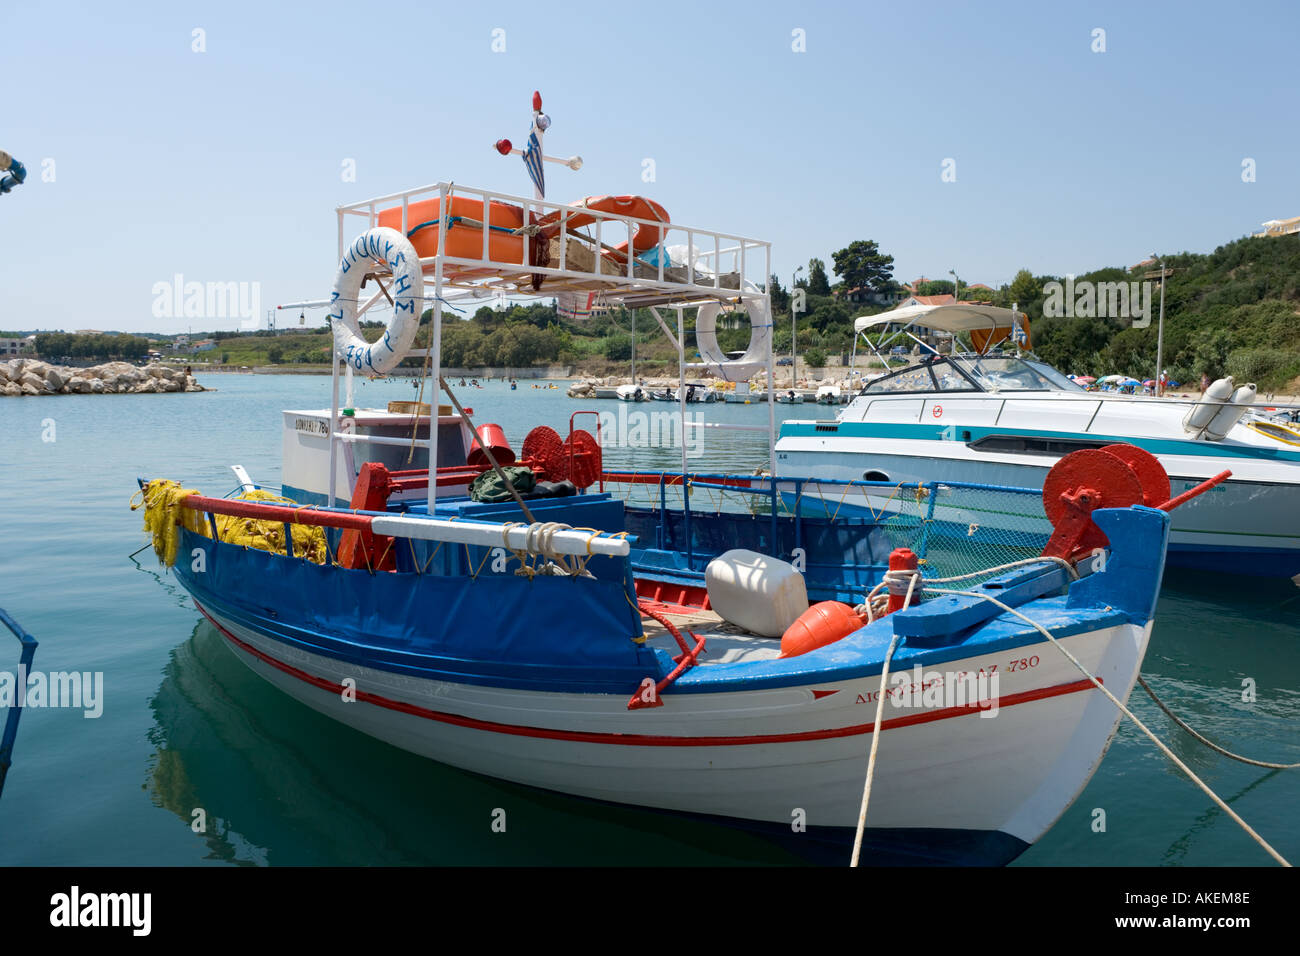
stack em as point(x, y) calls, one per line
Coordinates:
point(533, 161)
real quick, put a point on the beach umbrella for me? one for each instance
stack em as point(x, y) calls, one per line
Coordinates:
point(1129, 382)
point(1085, 379)
point(1149, 382)
point(1111, 378)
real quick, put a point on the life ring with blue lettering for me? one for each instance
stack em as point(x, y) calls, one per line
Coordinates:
point(406, 289)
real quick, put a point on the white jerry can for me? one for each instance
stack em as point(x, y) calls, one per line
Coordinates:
point(762, 594)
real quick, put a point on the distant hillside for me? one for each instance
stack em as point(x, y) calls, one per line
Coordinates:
point(1234, 311)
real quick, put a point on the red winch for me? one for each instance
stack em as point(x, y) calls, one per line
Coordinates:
point(576, 459)
point(1116, 476)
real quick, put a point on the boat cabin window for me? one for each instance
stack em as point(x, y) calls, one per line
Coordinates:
point(934, 374)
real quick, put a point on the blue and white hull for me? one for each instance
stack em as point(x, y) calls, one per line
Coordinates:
point(785, 757)
point(964, 775)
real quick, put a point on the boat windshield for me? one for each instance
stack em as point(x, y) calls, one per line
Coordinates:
point(935, 373)
point(1004, 373)
point(973, 373)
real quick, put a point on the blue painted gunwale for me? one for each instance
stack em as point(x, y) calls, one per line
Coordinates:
point(270, 595)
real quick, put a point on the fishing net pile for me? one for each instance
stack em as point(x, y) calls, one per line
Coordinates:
point(164, 515)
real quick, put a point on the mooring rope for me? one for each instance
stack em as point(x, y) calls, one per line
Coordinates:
point(893, 580)
point(1131, 716)
point(875, 734)
point(1209, 743)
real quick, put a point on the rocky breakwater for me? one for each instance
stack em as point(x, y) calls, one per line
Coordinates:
point(20, 377)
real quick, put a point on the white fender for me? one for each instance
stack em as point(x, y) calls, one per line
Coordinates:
point(407, 290)
point(1202, 413)
point(706, 339)
point(1228, 415)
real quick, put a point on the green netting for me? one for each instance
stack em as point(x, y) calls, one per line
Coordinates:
point(959, 529)
point(955, 528)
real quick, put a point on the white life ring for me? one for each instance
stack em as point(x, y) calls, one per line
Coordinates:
point(755, 357)
point(407, 291)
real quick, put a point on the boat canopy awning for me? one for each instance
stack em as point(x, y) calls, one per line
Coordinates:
point(944, 318)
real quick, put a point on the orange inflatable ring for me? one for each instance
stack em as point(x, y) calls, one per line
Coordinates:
point(635, 207)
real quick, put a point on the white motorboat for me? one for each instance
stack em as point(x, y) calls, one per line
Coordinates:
point(1004, 419)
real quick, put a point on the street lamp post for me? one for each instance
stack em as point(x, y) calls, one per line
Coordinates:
point(956, 286)
point(794, 355)
point(1160, 332)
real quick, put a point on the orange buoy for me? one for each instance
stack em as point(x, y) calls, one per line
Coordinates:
point(823, 623)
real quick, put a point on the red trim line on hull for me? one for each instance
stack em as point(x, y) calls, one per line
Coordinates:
point(642, 740)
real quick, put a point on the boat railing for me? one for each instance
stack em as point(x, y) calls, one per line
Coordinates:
point(788, 497)
point(718, 264)
point(717, 267)
point(10, 734)
point(515, 536)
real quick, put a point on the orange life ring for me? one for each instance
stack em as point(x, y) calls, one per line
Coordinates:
point(464, 232)
point(634, 207)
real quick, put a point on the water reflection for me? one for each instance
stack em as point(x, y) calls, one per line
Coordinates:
point(282, 785)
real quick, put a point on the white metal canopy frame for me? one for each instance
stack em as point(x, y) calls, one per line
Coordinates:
point(714, 268)
point(942, 318)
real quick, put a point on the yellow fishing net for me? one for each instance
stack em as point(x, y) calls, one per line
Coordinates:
point(163, 514)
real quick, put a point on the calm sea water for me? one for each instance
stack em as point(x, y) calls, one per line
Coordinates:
point(186, 726)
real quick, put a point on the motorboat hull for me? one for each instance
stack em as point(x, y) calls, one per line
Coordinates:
point(1242, 526)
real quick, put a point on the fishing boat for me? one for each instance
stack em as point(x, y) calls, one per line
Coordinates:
point(693, 644)
point(1005, 418)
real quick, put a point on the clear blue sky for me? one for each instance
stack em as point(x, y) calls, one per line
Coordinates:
point(225, 165)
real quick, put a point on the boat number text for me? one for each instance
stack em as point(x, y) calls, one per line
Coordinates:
point(1020, 664)
point(311, 426)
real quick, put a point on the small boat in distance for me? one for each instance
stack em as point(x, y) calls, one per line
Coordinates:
point(631, 393)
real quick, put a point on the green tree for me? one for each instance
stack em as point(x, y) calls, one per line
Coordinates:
point(780, 297)
point(861, 265)
point(1026, 290)
point(935, 287)
point(274, 354)
point(818, 283)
